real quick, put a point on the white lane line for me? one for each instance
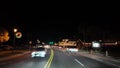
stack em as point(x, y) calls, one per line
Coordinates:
point(79, 62)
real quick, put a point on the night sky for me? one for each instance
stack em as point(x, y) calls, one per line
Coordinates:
point(53, 27)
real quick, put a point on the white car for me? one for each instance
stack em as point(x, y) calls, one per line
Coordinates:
point(39, 52)
point(72, 48)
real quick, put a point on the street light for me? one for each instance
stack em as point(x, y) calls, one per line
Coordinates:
point(15, 30)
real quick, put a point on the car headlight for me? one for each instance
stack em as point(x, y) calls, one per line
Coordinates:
point(32, 53)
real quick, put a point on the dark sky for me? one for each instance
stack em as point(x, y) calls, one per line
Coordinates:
point(51, 27)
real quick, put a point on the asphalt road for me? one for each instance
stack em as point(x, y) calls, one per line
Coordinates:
point(55, 58)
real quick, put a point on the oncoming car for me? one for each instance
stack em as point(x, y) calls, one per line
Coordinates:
point(39, 52)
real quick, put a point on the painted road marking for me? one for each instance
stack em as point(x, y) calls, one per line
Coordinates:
point(49, 60)
point(79, 62)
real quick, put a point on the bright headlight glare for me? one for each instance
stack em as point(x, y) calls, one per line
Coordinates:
point(33, 53)
point(43, 53)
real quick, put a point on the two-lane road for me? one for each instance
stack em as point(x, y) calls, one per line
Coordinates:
point(55, 58)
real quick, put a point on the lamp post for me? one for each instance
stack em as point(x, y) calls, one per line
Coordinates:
point(15, 30)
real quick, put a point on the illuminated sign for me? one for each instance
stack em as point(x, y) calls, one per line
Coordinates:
point(69, 43)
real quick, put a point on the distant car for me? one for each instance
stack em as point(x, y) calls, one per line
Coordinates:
point(72, 48)
point(39, 52)
point(60, 47)
point(47, 46)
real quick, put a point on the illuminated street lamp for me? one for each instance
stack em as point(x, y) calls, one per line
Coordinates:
point(15, 30)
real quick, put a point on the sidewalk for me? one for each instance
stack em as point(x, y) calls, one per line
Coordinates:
point(7, 55)
point(101, 57)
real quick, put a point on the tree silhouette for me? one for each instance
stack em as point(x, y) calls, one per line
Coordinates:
point(4, 35)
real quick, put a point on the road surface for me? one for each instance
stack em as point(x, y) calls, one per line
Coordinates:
point(55, 58)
